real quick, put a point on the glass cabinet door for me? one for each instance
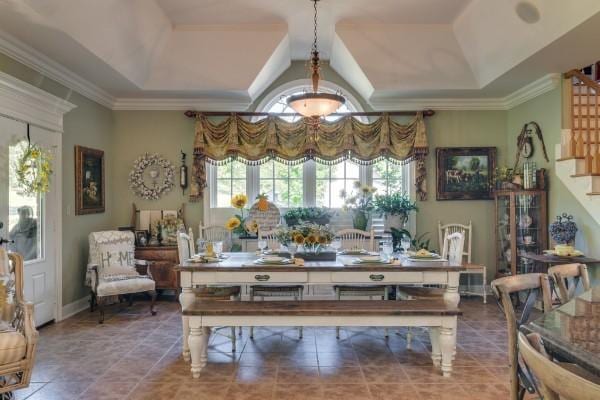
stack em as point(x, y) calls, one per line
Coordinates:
point(528, 228)
point(503, 246)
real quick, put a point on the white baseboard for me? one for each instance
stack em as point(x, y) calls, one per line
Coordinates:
point(73, 308)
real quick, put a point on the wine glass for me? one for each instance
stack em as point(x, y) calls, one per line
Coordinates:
point(336, 244)
point(262, 244)
point(218, 246)
point(292, 247)
point(201, 243)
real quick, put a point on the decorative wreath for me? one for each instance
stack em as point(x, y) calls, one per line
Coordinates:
point(159, 179)
point(33, 168)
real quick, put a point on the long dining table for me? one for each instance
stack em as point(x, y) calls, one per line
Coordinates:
point(240, 269)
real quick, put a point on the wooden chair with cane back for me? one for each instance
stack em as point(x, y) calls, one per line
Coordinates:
point(516, 295)
point(553, 380)
point(566, 278)
point(18, 336)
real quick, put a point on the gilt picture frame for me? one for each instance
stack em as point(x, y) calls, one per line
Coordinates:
point(89, 181)
point(465, 173)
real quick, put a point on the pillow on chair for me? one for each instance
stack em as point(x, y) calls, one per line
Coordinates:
point(118, 273)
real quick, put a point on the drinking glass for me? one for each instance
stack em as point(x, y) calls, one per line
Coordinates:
point(262, 244)
point(218, 248)
point(387, 248)
point(336, 244)
point(201, 243)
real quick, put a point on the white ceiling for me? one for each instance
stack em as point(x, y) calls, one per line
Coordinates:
point(229, 51)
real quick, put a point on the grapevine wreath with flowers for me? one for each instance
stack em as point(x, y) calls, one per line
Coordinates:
point(33, 169)
point(151, 176)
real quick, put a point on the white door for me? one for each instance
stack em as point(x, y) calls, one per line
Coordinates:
point(29, 222)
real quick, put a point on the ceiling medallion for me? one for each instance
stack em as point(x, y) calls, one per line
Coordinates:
point(315, 104)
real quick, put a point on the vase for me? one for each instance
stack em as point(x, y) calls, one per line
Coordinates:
point(393, 221)
point(360, 220)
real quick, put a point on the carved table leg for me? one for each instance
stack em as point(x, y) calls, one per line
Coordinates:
point(186, 298)
point(447, 338)
point(452, 297)
point(436, 354)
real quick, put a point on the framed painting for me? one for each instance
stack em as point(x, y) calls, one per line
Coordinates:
point(465, 173)
point(89, 181)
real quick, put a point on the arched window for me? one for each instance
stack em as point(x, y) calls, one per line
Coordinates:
point(308, 184)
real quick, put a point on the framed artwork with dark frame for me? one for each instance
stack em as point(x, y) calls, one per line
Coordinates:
point(89, 181)
point(465, 173)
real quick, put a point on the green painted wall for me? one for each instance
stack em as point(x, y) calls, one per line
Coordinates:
point(163, 132)
point(91, 125)
point(546, 110)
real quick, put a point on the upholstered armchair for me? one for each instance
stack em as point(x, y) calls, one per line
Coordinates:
point(18, 336)
point(112, 270)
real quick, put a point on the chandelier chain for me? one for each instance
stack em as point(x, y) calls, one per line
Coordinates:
point(314, 46)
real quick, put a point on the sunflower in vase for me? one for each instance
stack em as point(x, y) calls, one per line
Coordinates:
point(238, 224)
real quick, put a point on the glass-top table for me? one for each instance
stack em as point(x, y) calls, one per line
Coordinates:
point(572, 331)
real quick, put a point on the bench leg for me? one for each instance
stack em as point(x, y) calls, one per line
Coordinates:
point(186, 298)
point(198, 342)
point(436, 353)
point(447, 339)
point(338, 296)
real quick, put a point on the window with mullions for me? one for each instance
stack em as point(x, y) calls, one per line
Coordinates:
point(230, 180)
point(388, 177)
point(332, 179)
point(282, 183)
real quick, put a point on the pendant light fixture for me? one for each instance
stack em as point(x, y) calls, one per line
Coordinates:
point(315, 104)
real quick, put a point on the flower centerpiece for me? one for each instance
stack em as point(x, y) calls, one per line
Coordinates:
point(396, 208)
point(360, 203)
point(312, 237)
point(239, 224)
point(563, 232)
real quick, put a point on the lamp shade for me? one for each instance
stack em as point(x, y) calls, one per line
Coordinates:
point(315, 104)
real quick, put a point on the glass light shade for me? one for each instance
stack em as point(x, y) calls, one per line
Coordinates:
point(315, 104)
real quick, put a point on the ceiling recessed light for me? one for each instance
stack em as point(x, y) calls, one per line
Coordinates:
point(527, 12)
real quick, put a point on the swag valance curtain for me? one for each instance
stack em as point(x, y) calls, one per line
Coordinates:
point(292, 142)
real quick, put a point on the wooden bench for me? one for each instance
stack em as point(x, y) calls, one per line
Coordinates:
point(434, 314)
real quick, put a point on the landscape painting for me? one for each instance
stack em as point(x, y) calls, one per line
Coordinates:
point(465, 173)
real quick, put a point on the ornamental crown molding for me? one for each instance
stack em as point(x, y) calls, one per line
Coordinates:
point(27, 103)
point(167, 104)
point(39, 62)
point(519, 96)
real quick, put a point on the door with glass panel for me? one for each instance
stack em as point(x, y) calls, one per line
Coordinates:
point(29, 221)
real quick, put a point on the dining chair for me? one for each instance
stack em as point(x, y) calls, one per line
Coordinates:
point(185, 248)
point(552, 379)
point(452, 250)
point(567, 277)
point(263, 291)
point(356, 239)
point(470, 268)
point(516, 296)
point(215, 233)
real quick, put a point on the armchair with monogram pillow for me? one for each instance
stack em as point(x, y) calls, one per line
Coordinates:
point(112, 269)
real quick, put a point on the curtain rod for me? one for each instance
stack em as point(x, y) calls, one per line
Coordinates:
point(194, 114)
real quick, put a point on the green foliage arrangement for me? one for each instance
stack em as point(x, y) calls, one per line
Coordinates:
point(395, 204)
point(418, 242)
point(317, 215)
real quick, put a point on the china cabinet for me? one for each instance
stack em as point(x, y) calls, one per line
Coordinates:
point(521, 228)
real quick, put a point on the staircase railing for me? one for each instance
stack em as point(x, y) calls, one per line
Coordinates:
point(584, 139)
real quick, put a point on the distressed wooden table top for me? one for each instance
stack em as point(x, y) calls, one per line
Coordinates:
point(244, 262)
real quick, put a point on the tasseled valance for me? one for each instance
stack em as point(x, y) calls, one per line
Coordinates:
point(293, 142)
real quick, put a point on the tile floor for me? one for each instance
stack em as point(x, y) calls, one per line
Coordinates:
point(136, 356)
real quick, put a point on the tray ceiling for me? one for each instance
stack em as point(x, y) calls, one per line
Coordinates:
point(232, 50)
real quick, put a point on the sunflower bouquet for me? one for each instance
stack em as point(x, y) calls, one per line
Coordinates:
point(312, 237)
point(239, 223)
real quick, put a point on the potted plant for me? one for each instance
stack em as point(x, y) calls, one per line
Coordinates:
point(360, 203)
point(315, 215)
point(563, 232)
point(395, 208)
